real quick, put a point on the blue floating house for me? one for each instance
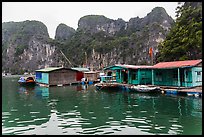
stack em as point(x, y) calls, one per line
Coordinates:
point(130, 74)
point(178, 73)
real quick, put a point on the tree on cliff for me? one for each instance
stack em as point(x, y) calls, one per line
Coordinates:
point(184, 42)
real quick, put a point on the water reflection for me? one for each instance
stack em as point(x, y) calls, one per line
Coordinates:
point(37, 91)
point(42, 91)
point(83, 110)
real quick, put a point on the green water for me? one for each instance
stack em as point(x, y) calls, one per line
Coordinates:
point(73, 110)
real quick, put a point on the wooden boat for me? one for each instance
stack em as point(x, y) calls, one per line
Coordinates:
point(30, 80)
point(144, 88)
point(107, 86)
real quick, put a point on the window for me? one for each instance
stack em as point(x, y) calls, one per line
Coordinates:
point(175, 74)
point(38, 75)
point(158, 76)
point(198, 72)
point(199, 76)
point(134, 76)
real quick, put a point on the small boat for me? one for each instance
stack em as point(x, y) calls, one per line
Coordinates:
point(144, 88)
point(107, 86)
point(193, 94)
point(30, 80)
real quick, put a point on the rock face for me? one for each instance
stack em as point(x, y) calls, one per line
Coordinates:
point(98, 42)
point(22, 31)
point(64, 32)
point(135, 38)
point(97, 23)
point(27, 47)
point(158, 15)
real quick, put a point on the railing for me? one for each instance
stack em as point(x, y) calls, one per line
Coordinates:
point(107, 79)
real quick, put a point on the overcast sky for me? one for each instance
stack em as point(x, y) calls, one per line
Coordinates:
point(69, 13)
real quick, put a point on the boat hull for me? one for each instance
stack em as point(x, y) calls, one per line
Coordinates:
point(27, 83)
point(145, 89)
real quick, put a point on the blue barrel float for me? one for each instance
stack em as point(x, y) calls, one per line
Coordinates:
point(174, 92)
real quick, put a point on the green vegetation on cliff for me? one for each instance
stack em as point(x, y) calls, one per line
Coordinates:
point(184, 42)
point(102, 41)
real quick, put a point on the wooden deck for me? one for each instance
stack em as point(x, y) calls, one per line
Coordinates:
point(58, 85)
point(197, 91)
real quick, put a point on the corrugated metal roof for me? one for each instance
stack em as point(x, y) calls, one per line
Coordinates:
point(92, 72)
point(130, 66)
point(134, 66)
point(49, 69)
point(81, 69)
point(177, 64)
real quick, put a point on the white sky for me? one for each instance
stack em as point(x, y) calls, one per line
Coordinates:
point(69, 13)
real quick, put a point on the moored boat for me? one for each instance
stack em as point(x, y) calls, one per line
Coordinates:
point(29, 80)
point(144, 88)
point(107, 86)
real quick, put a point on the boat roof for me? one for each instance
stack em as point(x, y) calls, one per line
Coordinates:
point(25, 77)
point(177, 64)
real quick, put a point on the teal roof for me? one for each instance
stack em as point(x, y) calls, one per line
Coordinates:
point(49, 69)
point(113, 67)
point(81, 69)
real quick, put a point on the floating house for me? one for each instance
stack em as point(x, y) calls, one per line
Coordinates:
point(130, 74)
point(55, 76)
point(178, 73)
point(92, 76)
point(80, 73)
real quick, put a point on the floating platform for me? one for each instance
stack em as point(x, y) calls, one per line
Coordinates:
point(58, 85)
point(190, 91)
point(112, 86)
point(127, 87)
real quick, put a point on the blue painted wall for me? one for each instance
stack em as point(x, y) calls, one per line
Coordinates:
point(42, 77)
point(197, 76)
point(169, 77)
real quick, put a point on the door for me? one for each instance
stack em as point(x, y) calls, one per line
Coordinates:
point(182, 77)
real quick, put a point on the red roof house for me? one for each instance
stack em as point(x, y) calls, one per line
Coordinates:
point(178, 73)
point(177, 64)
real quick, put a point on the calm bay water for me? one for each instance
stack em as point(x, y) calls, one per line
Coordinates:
point(76, 110)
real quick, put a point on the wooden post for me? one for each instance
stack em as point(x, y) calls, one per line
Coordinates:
point(86, 59)
point(185, 78)
point(120, 76)
point(179, 82)
point(152, 58)
point(128, 78)
point(138, 74)
point(152, 77)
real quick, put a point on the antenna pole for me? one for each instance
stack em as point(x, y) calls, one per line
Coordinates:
point(66, 58)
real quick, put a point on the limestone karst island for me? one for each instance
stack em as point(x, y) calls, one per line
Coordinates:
point(107, 77)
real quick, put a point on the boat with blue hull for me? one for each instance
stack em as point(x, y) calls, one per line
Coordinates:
point(27, 81)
